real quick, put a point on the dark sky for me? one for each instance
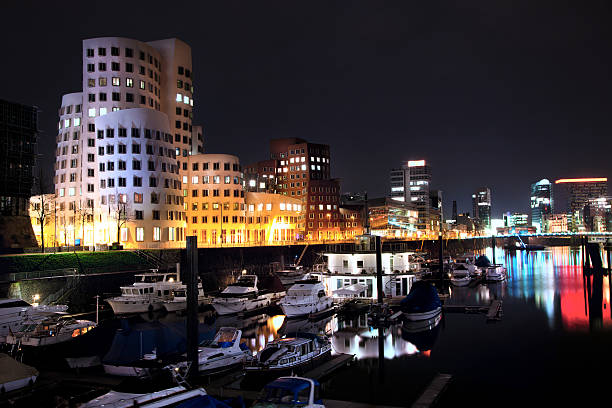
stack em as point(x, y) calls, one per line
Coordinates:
point(496, 93)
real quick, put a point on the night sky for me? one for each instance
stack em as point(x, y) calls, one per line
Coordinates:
point(495, 93)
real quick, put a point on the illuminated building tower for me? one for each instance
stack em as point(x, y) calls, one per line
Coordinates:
point(572, 195)
point(153, 83)
point(541, 201)
point(398, 182)
point(411, 184)
point(481, 205)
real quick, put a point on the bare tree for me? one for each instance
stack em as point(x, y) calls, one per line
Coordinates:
point(85, 213)
point(41, 209)
point(121, 212)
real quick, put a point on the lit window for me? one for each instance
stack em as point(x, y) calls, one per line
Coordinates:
point(102, 111)
point(186, 99)
point(77, 121)
point(116, 81)
point(282, 206)
point(268, 206)
point(140, 234)
point(194, 180)
point(191, 102)
point(142, 84)
point(129, 82)
point(66, 123)
point(252, 183)
point(92, 112)
point(321, 207)
point(61, 192)
point(184, 179)
point(179, 97)
point(124, 234)
point(328, 207)
point(71, 191)
point(259, 207)
point(318, 167)
point(156, 233)
point(262, 185)
point(303, 166)
point(251, 207)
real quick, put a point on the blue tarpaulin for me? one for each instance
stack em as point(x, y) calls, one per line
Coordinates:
point(423, 297)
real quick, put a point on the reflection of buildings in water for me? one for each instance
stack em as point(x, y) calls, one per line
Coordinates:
point(480, 295)
point(356, 337)
point(305, 325)
point(257, 330)
point(553, 279)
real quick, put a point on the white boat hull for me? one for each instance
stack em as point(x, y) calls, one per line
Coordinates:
point(413, 317)
point(461, 281)
point(121, 306)
point(496, 274)
point(233, 305)
point(17, 384)
point(304, 309)
point(125, 371)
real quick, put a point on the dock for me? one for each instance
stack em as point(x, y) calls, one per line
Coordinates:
point(433, 391)
point(495, 310)
point(329, 366)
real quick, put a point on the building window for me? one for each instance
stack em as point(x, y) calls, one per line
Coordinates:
point(156, 233)
point(138, 215)
point(138, 199)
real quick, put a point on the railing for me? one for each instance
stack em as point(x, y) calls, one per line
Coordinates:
point(32, 275)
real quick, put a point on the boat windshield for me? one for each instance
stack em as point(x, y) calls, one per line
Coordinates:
point(248, 281)
point(285, 397)
point(151, 278)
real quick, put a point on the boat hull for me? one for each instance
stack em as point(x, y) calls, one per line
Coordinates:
point(413, 317)
point(131, 307)
point(460, 281)
point(228, 306)
point(305, 309)
point(17, 384)
point(264, 370)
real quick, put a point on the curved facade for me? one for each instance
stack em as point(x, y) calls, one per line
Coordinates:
point(214, 196)
point(138, 79)
point(140, 188)
point(69, 168)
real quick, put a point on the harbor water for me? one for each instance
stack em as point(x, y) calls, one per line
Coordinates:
point(551, 345)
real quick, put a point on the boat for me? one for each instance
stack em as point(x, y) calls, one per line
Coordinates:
point(291, 274)
point(290, 353)
point(467, 262)
point(51, 331)
point(290, 392)
point(178, 300)
point(244, 296)
point(223, 353)
point(147, 294)
point(171, 397)
point(15, 375)
point(15, 313)
point(460, 276)
point(421, 303)
point(495, 273)
point(306, 297)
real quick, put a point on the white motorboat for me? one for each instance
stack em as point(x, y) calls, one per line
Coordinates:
point(244, 296)
point(15, 375)
point(147, 294)
point(291, 274)
point(224, 352)
point(290, 353)
point(495, 273)
point(306, 297)
point(170, 397)
point(460, 276)
point(15, 313)
point(467, 262)
point(178, 300)
point(51, 331)
point(288, 392)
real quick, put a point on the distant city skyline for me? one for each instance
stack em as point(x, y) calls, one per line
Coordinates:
point(492, 106)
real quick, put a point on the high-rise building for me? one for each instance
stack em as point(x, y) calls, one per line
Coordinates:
point(455, 210)
point(481, 205)
point(541, 201)
point(18, 136)
point(123, 144)
point(398, 181)
point(515, 219)
point(411, 184)
point(572, 195)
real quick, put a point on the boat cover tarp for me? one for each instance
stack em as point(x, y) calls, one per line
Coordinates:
point(11, 369)
point(482, 261)
point(132, 342)
point(423, 297)
point(351, 290)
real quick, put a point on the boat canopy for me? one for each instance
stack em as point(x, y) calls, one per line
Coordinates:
point(482, 261)
point(351, 290)
point(423, 297)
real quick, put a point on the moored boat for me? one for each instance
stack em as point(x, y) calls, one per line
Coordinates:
point(178, 300)
point(306, 297)
point(421, 303)
point(290, 392)
point(147, 294)
point(15, 313)
point(290, 274)
point(290, 353)
point(460, 276)
point(15, 375)
point(170, 397)
point(244, 296)
point(495, 273)
point(51, 331)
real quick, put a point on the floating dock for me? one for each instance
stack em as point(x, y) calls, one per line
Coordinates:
point(433, 391)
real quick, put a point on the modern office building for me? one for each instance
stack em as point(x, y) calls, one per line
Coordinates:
point(481, 206)
point(515, 219)
point(555, 223)
point(261, 176)
point(573, 194)
point(393, 219)
point(123, 144)
point(411, 183)
point(18, 137)
point(541, 201)
point(398, 181)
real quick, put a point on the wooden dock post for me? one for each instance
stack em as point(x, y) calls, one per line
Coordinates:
point(191, 281)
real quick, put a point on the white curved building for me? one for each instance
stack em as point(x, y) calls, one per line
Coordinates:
point(122, 74)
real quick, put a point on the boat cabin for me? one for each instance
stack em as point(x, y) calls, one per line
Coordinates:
point(289, 392)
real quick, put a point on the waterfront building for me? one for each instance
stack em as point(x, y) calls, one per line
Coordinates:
point(351, 264)
point(42, 213)
point(541, 201)
point(598, 214)
point(123, 144)
point(573, 194)
point(515, 219)
point(393, 219)
point(261, 176)
point(272, 219)
point(481, 205)
point(411, 183)
point(18, 137)
point(555, 223)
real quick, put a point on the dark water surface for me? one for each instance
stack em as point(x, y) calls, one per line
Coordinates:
point(553, 344)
